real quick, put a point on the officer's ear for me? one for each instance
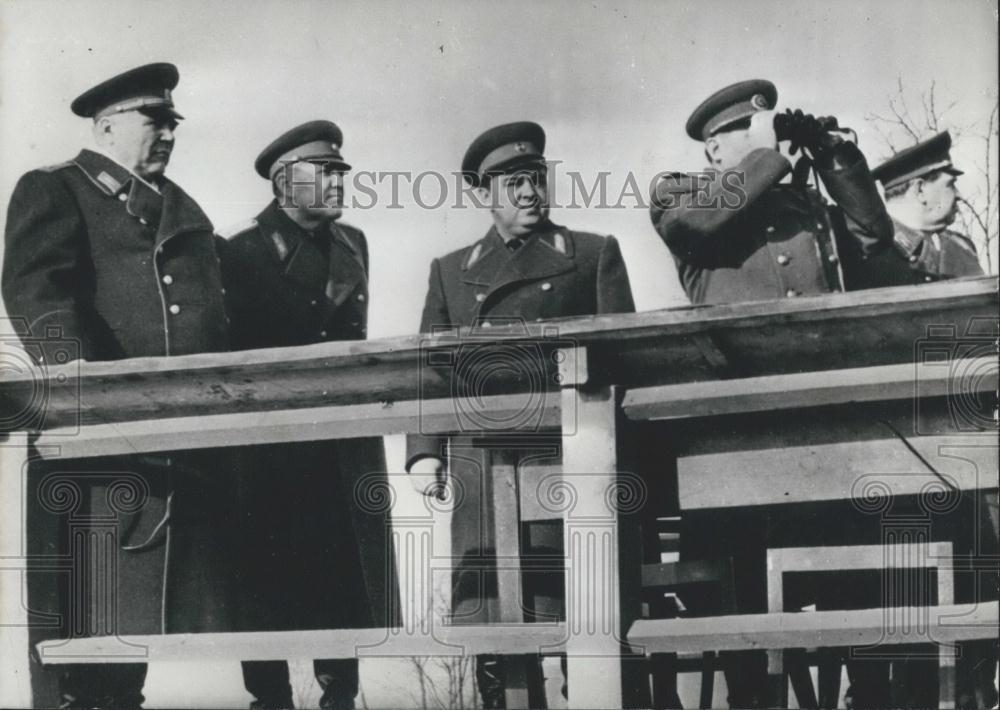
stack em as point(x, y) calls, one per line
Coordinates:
point(916, 190)
point(712, 149)
point(484, 190)
point(104, 129)
point(278, 184)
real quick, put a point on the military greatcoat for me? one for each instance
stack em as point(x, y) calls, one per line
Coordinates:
point(557, 273)
point(318, 552)
point(103, 265)
point(742, 236)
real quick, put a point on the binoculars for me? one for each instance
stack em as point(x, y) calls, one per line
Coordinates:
point(803, 128)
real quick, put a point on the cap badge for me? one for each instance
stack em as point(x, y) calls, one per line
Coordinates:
point(758, 102)
point(520, 147)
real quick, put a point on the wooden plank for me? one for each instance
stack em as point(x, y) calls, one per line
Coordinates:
point(939, 624)
point(873, 327)
point(280, 645)
point(247, 428)
point(864, 384)
point(841, 470)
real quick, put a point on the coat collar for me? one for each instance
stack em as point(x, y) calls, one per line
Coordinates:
point(171, 209)
point(301, 260)
point(909, 240)
point(547, 252)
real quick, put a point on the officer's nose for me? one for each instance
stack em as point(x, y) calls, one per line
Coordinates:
point(526, 191)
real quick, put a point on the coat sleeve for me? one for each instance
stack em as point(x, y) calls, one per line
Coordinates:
point(435, 315)
point(690, 215)
point(46, 253)
point(614, 294)
point(852, 187)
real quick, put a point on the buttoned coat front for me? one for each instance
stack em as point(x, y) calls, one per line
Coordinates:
point(743, 236)
point(317, 545)
point(103, 266)
point(557, 273)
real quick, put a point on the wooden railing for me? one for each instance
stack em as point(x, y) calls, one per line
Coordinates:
point(762, 403)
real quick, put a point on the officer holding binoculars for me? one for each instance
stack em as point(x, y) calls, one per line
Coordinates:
point(736, 232)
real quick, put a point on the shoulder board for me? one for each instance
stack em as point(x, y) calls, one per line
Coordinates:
point(963, 241)
point(231, 231)
point(57, 166)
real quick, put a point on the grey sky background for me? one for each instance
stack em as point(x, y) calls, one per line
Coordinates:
point(411, 84)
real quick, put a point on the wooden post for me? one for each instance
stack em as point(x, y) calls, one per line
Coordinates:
point(13, 580)
point(507, 534)
point(602, 585)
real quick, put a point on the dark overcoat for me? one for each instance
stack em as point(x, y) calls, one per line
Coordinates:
point(914, 258)
point(317, 547)
point(557, 273)
point(741, 236)
point(102, 265)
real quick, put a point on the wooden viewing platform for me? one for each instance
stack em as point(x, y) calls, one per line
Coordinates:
point(792, 401)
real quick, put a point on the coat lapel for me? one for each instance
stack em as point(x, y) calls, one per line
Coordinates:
point(484, 260)
point(547, 254)
point(180, 214)
point(347, 267)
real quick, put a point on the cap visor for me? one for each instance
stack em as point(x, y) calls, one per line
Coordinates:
point(160, 111)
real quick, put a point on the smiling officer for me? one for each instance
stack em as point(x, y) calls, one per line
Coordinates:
point(526, 268)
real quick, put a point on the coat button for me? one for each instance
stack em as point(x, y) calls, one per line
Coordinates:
point(322, 334)
point(546, 286)
point(783, 259)
point(142, 221)
point(313, 302)
point(168, 279)
point(832, 258)
point(791, 293)
point(222, 291)
point(175, 309)
point(770, 229)
point(487, 324)
point(361, 297)
point(913, 258)
point(122, 196)
point(819, 226)
point(928, 278)
point(480, 297)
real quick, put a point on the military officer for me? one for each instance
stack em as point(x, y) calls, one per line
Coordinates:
point(105, 252)
point(297, 275)
point(922, 200)
point(740, 234)
point(525, 268)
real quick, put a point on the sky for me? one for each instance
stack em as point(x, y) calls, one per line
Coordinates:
point(411, 84)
